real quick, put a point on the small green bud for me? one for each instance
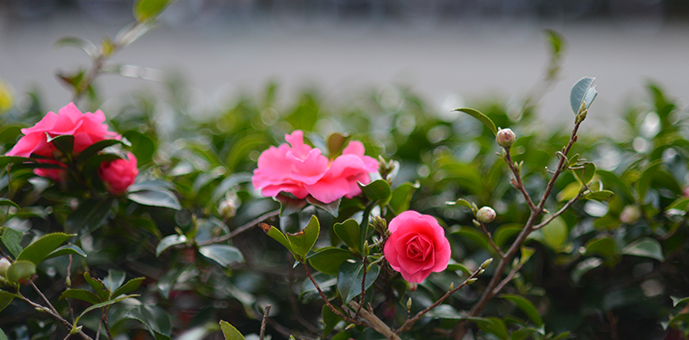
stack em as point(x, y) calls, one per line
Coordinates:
point(505, 138)
point(350, 326)
point(379, 225)
point(4, 265)
point(68, 281)
point(452, 286)
point(409, 304)
point(481, 271)
point(485, 215)
point(228, 206)
point(486, 263)
point(75, 329)
point(470, 281)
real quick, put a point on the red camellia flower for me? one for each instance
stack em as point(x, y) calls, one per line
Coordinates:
point(417, 246)
point(119, 174)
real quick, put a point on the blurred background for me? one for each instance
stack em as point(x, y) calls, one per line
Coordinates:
point(451, 52)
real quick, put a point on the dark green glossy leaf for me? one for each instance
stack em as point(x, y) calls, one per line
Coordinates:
point(445, 312)
point(289, 205)
point(584, 266)
point(12, 240)
point(91, 214)
point(331, 207)
point(98, 287)
point(555, 233)
point(142, 147)
point(155, 318)
point(604, 246)
point(526, 306)
point(102, 305)
point(155, 198)
point(615, 182)
point(114, 280)
point(169, 241)
point(601, 195)
point(505, 232)
point(401, 196)
point(350, 276)
point(128, 287)
point(645, 247)
point(96, 147)
point(276, 234)
point(7, 160)
point(20, 270)
point(580, 93)
point(8, 202)
point(677, 301)
point(39, 249)
point(224, 255)
point(377, 191)
point(336, 143)
point(454, 267)
point(328, 260)
point(81, 294)
point(349, 232)
point(66, 250)
point(481, 117)
point(64, 143)
point(645, 180)
point(302, 241)
point(474, 235)
point(230, 332)
point(5, 300)
point(330, 319)
point(524, 333)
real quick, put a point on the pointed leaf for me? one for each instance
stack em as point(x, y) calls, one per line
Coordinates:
point(349, 278)
point(328, 260)
point(336, 143)
point(645, 247)
point(64, 143)
point(66, 250)
point(604, 246)
point(492, 325)
point(96, 147)
point(113, 281)
point(154, 318)
point(12, 240)
point(289, 205)
point(103, 305)
point(90, 214)
point(601, 195)
point(142, 146)
point(39, 249)
point(349, 232)
point(224, 255)
point(155, 198)
point(645, 180)
point(481, 117)
point(462, 202)
point(83, 44)
point(5, 300)
point(401, 196)
point(81, 294)
point(149, 9)
point(585, 175)
point(230, 332)
point(7, 160)
point(579, 92)
point(20, 270)
point(169, 241)
point(276, 234)
point(98, 287)
point(677, 301)
point(302, 241)
point(555, 233)
point(8, 202)
point(128, 287)
point(526, 306)
point(377, 191)
point(331, 207)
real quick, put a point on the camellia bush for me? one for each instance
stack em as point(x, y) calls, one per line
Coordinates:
point(382, 219)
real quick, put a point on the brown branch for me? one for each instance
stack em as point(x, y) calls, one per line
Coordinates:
point(325, 299)
point(54, 315)
point(559, 212)
point(517, 180)
point(241, 229)
point(266, 311)
point(375, 322)
point(490, 238)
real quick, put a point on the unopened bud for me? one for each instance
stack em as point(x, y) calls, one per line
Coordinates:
point(228, 206)
point(470, 281)
point(485, 215)
point(630, 214)
point(486, 263)
point(505, 138)
point(452, 286)
point(379, 225)
point(4, 265)
point(350, 326)
point(409, 304)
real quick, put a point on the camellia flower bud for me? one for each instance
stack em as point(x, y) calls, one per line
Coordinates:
point(505, 138)
point(630, 214)
point(228, 206)
point(485, 215)
point(4, 265)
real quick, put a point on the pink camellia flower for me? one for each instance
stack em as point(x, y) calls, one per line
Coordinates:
point(289, 168)
point(417, 246)
point(87, 128)
point(343, 174)
point(119, 174)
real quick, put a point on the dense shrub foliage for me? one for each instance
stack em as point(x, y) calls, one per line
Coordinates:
point(366, 225)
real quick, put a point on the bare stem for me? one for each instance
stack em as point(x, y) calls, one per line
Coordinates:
point(241, 229)
point(490, 238)
point(54, 315)
point(325, 299)
point(375, 322)
point(266, 311)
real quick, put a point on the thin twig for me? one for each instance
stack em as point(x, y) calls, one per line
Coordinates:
point(508, 278)
point(517, 180)
point(44, 298)
point(490, 239)
point(266, 311)
point(375, 322)
point(559, 212)
point(241, 229)
point(325, 299)
point(293, 303)
point(55, 315)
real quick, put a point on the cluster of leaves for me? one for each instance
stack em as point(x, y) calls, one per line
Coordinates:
point(168, 260)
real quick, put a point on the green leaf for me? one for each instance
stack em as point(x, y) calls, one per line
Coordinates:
point(102, 305)
point(302, 241)
point(96, 147)
point(19, 270)
point(98, 287)
point(677, 301)
point(569, 192)
point(276, 234)
point(130, 286)
point(464, 203)
point(230, 332)
point(336, 143)
point(401, 196)
point(91, 214)
point(83, 44)
point(81, 294)
point(66, 250)
point(679, 318)
point(581, 94)
point(604, 246)
point(492, 325)
point(331, 207)
point(555, 233)
point(505, 232)
point(524, 333)
point(454, 267)
point(289, 205)
point(142, 147)
point(526, 306)
point(155, 318)
point(330, 319)
point(149, 9)
point(5, 300)
point(169, 241)
point(526, 254)
point(113, 281)
point(377, 191)
point(681, 203)
point(224, 255)
point(478, 237)
point(155, 198)
point(481, 117)
point(7, 160)
point(349, 278)
point(12, 240)
point(445, 312)
point(601, 195)
point(64, 143)
point(8, 202)
point(645, 180)
point(584, 266)
point(556, 41)
point(39, 249)
point(645, 247)
point(328, 260)
point(585, 175)
point(349, 232)
point(612, 180)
